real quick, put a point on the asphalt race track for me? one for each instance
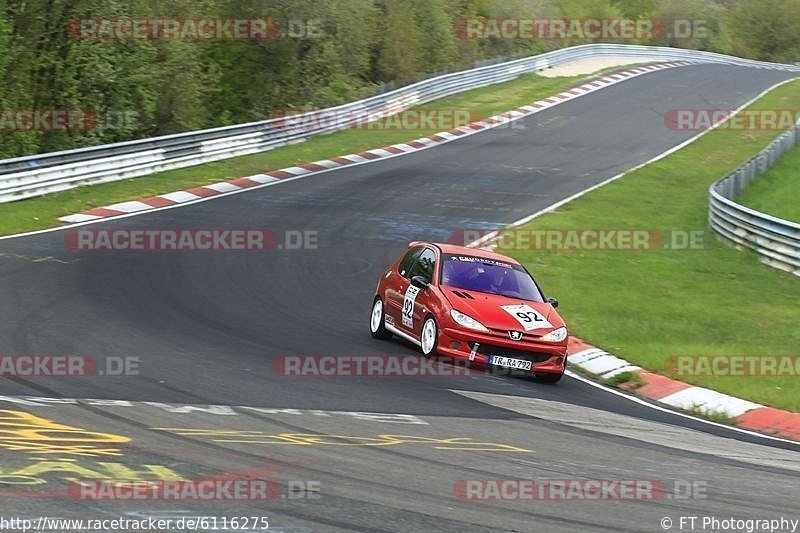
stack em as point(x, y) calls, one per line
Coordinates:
point(207, 326)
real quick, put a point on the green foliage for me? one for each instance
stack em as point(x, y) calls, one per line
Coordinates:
point(676, 300)
point(399, 42)
point(633, 381)
point(436, 49)
point(695, 24)
point(44, 211)
point(765, 29)
point(141, 88)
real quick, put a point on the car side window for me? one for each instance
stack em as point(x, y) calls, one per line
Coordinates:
point(424, 265)
point(404, 267)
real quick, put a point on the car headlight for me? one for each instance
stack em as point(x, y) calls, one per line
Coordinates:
point(557, 335)
point(467, 321)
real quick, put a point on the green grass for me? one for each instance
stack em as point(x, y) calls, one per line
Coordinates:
point(643, 306)
point(777, 192)
point(716, 416)
point(647, 305)
point(43, 212)
point(633, 381)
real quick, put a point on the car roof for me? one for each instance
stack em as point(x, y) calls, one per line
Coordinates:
point(463, 250)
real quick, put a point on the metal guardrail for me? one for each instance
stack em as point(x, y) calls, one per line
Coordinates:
point(30, 176)
point(776, 241)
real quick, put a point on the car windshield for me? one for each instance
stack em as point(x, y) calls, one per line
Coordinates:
point(489, 275)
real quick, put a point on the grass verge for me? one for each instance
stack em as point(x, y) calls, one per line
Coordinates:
point(777, 191)
point(631, 380)
point(43, 212)
point(713, 415)
point(647, 305)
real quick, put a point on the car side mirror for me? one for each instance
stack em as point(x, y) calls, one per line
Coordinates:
point(419, 282)
point(553, 302)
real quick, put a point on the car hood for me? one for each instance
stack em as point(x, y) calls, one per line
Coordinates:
point(488, 309)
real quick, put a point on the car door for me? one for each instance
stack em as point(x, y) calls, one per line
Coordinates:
point(397, 285)
point(415, 300)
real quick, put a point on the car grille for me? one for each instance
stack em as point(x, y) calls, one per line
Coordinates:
point(503, 334)
point(534, 357)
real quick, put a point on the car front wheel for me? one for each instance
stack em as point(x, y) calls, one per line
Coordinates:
point(430, 337)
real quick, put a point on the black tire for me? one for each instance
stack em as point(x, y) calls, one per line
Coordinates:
point(429, 322)
point(548, 378)
point(377, 324)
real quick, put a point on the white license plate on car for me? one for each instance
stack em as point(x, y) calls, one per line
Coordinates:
point(508, 362)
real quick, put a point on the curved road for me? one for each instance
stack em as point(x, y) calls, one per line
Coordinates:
point(206, 328)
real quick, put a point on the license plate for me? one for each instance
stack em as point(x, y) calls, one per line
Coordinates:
point(508, 362)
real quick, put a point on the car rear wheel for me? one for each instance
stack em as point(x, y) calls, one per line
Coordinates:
point(429, 337)
point(377, 326)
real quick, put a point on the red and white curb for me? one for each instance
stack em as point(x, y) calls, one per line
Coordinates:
point(662, 389)
point(274, 176)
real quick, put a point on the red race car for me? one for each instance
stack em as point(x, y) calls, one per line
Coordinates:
point(472, 304)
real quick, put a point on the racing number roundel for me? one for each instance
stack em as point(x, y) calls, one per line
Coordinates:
point(408, 306)
point(527, 317)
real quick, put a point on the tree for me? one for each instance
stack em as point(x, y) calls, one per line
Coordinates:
point(765, 29)
point(397, 55)
point(437, 50)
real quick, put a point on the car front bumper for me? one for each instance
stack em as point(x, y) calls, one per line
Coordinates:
point(546, 357)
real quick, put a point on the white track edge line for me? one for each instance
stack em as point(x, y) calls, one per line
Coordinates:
point(429, 144)
point(597, 186)
point(552, 207)
point(676, 412)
